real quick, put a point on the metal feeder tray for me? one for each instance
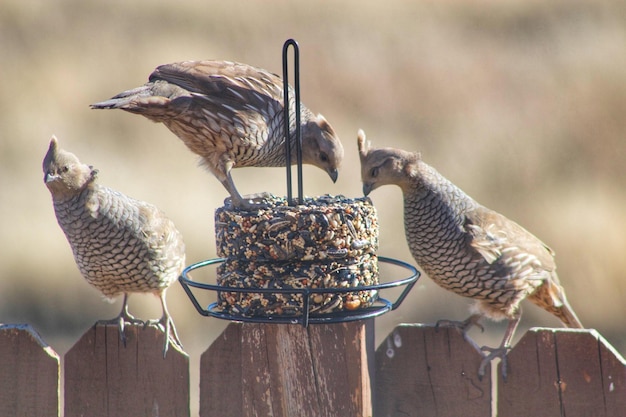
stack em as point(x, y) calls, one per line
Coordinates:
point(379, 307)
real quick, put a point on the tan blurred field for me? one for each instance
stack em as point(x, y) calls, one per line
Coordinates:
point(521, 103)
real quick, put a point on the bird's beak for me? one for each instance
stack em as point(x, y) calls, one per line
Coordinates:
point(334, 174)
point(49, 177)
point(367, 188)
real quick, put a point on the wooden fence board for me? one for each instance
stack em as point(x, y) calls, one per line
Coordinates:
point(287, 370)
point(104, 378)
point(322, 370)
point(29, 374)
point(220, 369)
point(532, 374)
point(255, 374)
point(423, 371)
point(289, 362)
point(580, 373)
point(613, 368)
point(563, 372)
point(342, 371)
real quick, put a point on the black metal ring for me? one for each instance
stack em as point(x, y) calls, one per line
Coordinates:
point(380, 306)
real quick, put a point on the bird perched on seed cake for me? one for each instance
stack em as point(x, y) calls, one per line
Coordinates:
point(467, 248)
point(120, 245)
point(231, 115)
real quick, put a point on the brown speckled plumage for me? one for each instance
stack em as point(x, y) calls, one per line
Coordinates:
point(231, 115)
point(465, 247)
point(120, 245)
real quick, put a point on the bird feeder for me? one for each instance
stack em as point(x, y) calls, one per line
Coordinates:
point(307, 315)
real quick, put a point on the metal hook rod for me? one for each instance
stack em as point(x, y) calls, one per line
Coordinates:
point(286, 107)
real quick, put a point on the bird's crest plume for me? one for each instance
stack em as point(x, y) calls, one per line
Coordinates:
point(56, 157)
point(323, 123)
point(56, 154)
point(364, 146)
point(52, 153)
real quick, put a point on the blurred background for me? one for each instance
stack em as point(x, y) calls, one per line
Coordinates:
point(521, 103)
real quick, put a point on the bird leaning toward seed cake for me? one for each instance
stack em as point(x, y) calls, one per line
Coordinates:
point(231, 115)
point(120, 245)
point(467, 248)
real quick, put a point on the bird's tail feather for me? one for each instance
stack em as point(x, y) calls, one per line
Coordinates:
point(124, 99)
point(551, 297)
point(566, 314)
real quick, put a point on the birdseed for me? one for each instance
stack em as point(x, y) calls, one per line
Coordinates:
point(327, 242)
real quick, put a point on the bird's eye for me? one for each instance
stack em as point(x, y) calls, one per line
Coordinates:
point(323, 157)
point(374, 172)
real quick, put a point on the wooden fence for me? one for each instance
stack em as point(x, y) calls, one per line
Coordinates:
point(323, 370)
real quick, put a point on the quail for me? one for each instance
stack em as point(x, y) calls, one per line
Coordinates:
point(120, 245)
point(467, 248)
point(231, 115)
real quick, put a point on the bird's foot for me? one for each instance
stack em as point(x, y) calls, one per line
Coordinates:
point(463, 326)
point(493, 353)
point(123, 319)
point(166, 325)
point(250, 202)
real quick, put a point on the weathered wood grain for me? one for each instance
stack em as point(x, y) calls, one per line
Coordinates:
point(322, 370)
point(29, 373)
point(105, 378)
point(287, 370)
point(563, 372)
point(424, 371)
point(221, 373)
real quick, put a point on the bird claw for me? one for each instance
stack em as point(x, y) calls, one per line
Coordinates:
point(499, 352)
point(250, 202)
point(121, 321)
point(154, 323)
point(463, 326)
point(166, 325)
point(493, 353)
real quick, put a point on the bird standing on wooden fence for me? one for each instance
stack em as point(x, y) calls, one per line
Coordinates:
point(120, 245)
point(231, 115)
point(467, 248)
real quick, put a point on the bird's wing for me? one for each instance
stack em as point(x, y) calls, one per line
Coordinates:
point(237, 87)
point(530, 260)
point(160, 234)
point(502, 241)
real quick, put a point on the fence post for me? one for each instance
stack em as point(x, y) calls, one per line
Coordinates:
point(288, 370)
point(563, 372)
point(104, 378)
point(29, 376)
point(220, 375)
point(423, 371)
